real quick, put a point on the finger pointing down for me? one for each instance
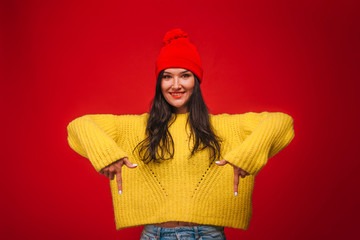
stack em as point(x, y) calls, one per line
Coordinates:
point(119, 180)
point(236, 181)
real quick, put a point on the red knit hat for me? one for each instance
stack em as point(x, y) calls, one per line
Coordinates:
point(178, 51)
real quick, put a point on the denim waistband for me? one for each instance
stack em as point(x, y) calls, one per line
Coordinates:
point(197, 230)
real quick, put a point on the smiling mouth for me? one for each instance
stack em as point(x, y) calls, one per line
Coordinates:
point(177, 94)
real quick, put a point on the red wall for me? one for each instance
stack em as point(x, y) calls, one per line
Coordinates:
point(64, 59)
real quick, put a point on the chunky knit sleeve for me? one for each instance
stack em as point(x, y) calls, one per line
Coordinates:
point(266, 134)
point(95, 137)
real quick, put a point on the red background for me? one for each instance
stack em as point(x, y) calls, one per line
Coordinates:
point(64, 59)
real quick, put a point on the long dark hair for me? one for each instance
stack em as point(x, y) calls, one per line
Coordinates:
point(159, 143)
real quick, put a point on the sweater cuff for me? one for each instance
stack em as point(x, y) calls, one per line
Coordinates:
point(106, 157)
point(248, 158)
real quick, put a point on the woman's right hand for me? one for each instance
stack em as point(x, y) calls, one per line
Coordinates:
point(115, 169)
point(237, 173)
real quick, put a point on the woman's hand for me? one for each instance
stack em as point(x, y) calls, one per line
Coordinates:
point(115, 168)
point(237, 172)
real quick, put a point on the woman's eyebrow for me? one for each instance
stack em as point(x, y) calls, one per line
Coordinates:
point(181, 72)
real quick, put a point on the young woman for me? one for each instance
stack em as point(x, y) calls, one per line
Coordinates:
point(188, 173)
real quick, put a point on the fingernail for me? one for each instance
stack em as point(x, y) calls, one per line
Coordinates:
point(120, 192)
point(217, 162)
point(235, 194)
point(135, 165)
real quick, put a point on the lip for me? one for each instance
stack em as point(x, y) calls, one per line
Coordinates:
point(178, 96)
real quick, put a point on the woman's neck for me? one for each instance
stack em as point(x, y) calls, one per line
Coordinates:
point(181, 110)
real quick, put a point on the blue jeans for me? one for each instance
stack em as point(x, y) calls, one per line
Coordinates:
point(202, 232)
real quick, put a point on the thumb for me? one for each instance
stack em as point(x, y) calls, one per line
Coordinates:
point(129, 164)
point(221, 163)
point(243, 173)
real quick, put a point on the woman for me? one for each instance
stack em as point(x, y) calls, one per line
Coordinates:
point(183, 164)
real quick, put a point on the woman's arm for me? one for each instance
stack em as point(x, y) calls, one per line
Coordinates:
point(95, 137)
point(266, 133)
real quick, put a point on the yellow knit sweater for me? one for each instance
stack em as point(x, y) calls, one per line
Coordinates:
point(182, 189)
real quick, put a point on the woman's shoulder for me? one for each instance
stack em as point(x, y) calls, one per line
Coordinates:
point(117, 117)
point(226, 116)
point(226, 120)
point(115, 120)
point(132, 118)
point(248, 120)
point(237, 116)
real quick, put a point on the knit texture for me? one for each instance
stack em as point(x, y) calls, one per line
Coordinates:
point(183, 189)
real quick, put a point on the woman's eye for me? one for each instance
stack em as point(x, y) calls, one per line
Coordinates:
point(186, 75)
point(166, 76)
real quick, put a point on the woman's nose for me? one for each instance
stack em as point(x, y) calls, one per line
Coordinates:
point(176, 83)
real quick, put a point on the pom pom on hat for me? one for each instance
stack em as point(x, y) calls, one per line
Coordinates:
point(179, 52)
point(174, 34)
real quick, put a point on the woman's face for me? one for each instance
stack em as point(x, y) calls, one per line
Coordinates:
point(177, 85)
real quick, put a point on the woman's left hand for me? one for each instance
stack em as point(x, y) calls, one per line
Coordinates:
point(237, 172)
